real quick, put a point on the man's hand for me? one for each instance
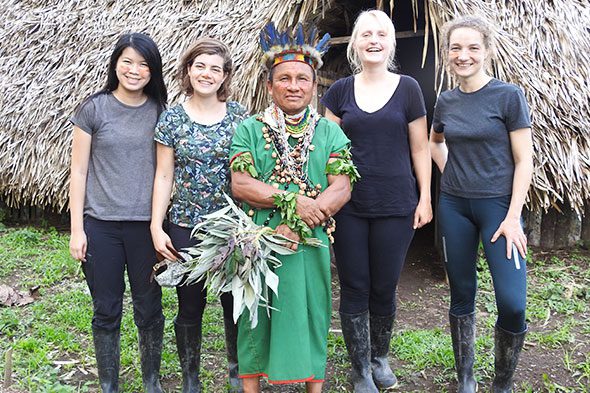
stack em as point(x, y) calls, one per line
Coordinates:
point(285, 231)
point(309, 211)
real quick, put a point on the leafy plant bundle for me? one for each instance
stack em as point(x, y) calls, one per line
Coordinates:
point(236, 255)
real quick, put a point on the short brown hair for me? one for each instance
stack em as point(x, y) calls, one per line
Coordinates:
point(209, 46)
point(474, 22)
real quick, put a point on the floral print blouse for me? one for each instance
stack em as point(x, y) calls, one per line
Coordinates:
point(201, 161)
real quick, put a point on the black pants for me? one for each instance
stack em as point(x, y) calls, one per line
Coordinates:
point(114, 246)
point(192, 299)
point(370, 255)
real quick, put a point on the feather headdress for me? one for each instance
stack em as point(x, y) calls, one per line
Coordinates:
point(280, 47)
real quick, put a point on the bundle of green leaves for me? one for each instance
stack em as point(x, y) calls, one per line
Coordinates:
point(235, 255)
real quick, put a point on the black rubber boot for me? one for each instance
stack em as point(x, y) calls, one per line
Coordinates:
point(355, 329)
point(381, 328)
point(188, 344)
point(507, 349)
point(150, 350)
point(106, 348)
point(231, 344)
point(463, 336)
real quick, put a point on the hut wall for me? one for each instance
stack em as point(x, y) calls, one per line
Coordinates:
point(34, 215)
point(559, 227)
point(54, 54)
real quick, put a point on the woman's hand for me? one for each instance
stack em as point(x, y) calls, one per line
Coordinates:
point(163, 244)
point(511, 229)
point(423, 214)
point(285, 231)
point(78, 245)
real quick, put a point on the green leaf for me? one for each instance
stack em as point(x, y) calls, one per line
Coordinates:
point(244, 163)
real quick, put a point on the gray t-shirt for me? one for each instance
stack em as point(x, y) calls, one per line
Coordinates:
point(122, 158)
point(477, 127)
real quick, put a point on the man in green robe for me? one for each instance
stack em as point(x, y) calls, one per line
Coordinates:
point(292, 171)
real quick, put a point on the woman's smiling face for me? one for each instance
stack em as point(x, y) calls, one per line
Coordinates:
point(133, 72)
point(206, 74)
point(373, 43)
point(467, 53)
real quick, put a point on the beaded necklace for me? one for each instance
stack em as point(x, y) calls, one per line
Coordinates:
point(297, 124)
point(291, 161)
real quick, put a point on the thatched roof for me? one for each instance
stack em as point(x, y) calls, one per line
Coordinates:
point(53, 54)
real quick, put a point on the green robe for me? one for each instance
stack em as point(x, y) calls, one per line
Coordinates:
point(291, 345)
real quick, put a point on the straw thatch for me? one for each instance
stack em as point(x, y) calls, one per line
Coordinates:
point(544, 47)
point(53, 54)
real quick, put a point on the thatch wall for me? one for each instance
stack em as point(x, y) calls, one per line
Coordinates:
point(53, 54)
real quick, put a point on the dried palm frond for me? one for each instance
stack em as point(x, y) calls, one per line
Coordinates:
point(545, 50)
point(235, 255)
point(54, 54)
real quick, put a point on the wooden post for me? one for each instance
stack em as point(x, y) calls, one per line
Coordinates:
point(585, 230)
point(548, 229)
point(532, 224)
point(567, 228)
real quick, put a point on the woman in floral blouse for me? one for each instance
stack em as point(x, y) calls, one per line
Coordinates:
point(193, 140)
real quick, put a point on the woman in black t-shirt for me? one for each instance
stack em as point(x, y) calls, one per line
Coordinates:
point(383, 115)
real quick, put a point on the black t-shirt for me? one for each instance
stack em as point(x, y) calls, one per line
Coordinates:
point(476, 127)
point(380, 147)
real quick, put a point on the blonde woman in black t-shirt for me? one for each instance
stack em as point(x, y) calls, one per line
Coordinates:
point(482, 144)
point(112, 172)
point(383, 115)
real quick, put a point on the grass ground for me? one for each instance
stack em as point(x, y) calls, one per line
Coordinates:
point(46, 346)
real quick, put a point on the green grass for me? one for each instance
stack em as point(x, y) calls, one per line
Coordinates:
point(51, 338)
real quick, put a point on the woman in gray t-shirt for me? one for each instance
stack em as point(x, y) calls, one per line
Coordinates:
point(481, 142)
point(112, 172)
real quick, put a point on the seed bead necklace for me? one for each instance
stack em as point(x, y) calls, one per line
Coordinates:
point(291, 161)
point(297, 124)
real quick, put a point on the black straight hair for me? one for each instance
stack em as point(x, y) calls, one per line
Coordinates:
point(147, 48)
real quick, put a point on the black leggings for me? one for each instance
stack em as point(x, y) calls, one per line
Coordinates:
point(463, 223)
point(113, 247)
point(192, 299)
point(370, 255)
